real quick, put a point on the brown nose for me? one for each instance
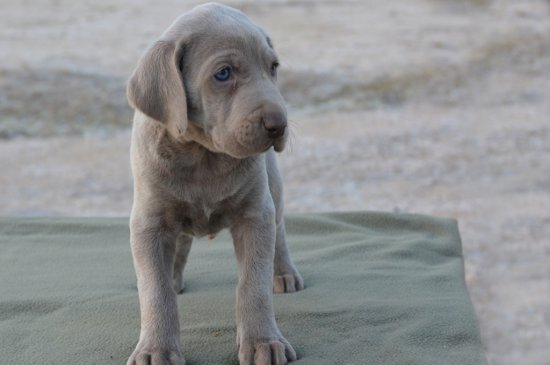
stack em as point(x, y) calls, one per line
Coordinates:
point(275, 124)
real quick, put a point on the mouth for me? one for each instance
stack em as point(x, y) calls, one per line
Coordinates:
point(279, 143)
point(242, 148)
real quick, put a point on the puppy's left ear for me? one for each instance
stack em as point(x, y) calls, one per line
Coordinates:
point(156, 86)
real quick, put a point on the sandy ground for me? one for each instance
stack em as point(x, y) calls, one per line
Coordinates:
point(428, 106)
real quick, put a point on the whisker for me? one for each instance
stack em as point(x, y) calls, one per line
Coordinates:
point(294, 123)
point(294, 131)
point(291, 140)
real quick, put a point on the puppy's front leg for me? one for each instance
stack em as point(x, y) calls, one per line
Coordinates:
point(153, 247)
point(258, 337)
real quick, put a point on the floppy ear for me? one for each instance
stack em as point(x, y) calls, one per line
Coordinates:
point(156, 86)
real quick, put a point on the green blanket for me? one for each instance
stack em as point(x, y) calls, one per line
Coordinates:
point(380, 289)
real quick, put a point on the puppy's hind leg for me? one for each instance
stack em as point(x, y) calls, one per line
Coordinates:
point(286, 278)
point(183, 246)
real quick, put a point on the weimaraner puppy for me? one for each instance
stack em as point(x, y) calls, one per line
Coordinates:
point(208, 118)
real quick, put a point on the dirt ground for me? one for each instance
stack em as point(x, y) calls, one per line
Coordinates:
point(428, 106)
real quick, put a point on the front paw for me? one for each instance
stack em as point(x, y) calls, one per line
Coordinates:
point(288, 282)
point(266, 351)
point(156, 355)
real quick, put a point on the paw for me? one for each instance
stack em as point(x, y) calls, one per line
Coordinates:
point(266, 352)
point(156, 356)
point(288, 282)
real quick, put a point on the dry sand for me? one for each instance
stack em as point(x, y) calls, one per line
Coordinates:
point(428, 106)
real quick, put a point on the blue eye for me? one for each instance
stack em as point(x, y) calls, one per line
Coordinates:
point(223, 74)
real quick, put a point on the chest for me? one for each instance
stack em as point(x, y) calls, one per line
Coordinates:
point(210, 197)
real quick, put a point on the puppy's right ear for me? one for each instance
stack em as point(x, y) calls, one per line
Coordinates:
point(156, 86)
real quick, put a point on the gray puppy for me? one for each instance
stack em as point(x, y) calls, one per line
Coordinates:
point(208, 117)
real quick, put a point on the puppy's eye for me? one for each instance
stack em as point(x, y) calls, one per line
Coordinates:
point(223, 74)
point(274, 68)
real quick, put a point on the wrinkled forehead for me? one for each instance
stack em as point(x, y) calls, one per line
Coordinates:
point(213, 27)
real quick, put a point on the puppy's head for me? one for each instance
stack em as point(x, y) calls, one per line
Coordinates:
point(211, 78)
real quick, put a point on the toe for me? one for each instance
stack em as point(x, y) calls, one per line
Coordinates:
point(288, 351)
point(246, 354)
point(278, 353)
point(262, 354)
point(289, 283)
point(278, 284)
point(143, 358)
point(176, 359)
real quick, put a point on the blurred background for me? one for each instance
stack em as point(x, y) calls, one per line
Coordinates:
point(426, 106)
